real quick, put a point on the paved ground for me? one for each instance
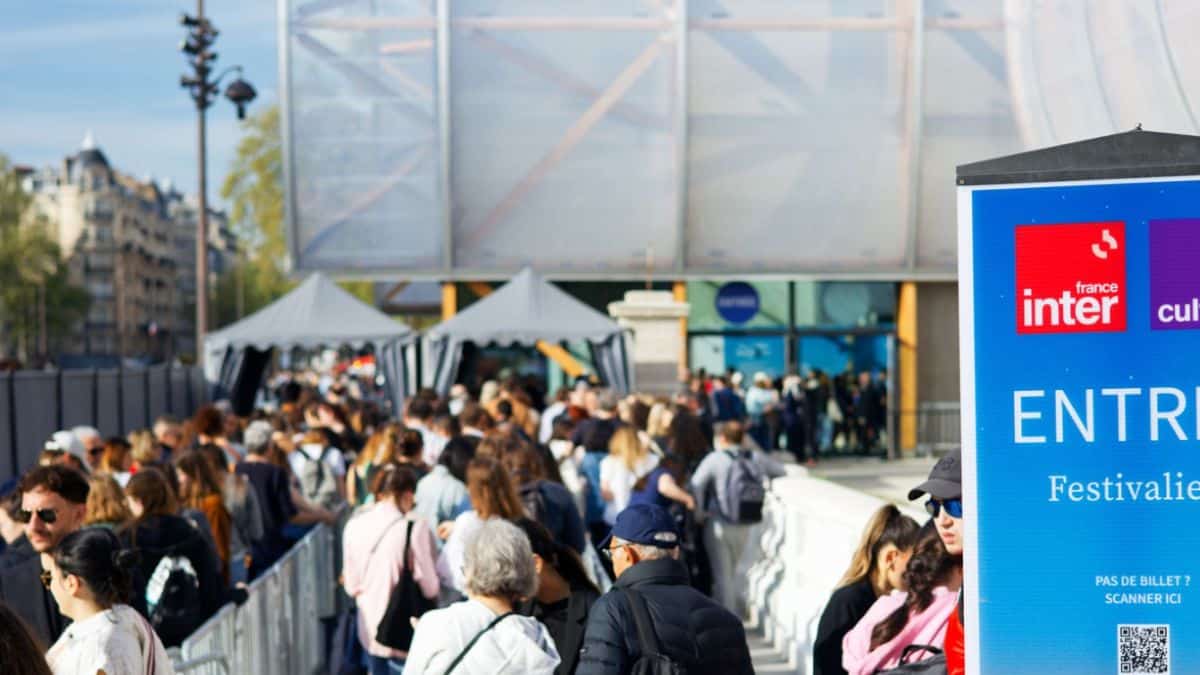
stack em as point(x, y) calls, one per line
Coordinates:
point(886, 479)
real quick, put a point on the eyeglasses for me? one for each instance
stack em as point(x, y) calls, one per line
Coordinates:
point(46, 578)
point(953, 507)
point(608, 552)
point(47, 516)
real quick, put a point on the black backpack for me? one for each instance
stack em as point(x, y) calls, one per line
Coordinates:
point(934, 665)
point(173, 599)
point(652, 660)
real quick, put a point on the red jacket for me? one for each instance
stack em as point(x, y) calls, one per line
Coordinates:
point(955, 645)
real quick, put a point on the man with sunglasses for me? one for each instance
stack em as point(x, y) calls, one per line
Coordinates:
point(691, 629)
point(53, 505)
point(944, 488)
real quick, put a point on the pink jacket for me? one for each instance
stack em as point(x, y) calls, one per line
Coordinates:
point(926, 628)
point(369, 578)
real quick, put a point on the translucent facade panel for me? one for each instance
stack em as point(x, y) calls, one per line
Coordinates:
point(563, 142)
point(796, 158)
point(1086, 69)
point(361, 90)
point(795, 135)
point(967, 116)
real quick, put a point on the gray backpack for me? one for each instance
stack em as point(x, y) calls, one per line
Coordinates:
point(744, 492)
point(317, 482)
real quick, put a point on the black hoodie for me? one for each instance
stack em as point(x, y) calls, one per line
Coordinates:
point(159, 536)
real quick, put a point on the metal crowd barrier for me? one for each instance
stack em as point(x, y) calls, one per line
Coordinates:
point(277, 631)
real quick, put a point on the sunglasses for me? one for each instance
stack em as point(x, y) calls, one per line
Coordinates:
point(46, 578)
point(952, 506)
point(47, 516)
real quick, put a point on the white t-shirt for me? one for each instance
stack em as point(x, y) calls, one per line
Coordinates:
point(117, 641)
point(620, 481)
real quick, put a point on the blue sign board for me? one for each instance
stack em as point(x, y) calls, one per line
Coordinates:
point(1080, 311)
point(737, 302)
point(754, 354)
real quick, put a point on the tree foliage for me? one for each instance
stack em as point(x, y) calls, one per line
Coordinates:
point(34, 278)
point(254, 187)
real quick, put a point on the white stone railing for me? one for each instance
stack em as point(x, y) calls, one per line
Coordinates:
point(810, 529)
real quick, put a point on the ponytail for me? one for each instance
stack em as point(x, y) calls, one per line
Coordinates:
point(886, 526)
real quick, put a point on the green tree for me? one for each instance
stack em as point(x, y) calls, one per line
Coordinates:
point(254, 188)
point(38, 303)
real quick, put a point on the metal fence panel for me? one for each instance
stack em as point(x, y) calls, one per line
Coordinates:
point(277, 629)
point(325, 544)
point(282, 611)
point(133, 389)
point(199, 388)
point(217, 637)
point(180, 406)
point(253, 653)
point(35, 419)
point(108, 394)
point(78, 398)
point(157, 391)
point(309, 633)
point(8, 460)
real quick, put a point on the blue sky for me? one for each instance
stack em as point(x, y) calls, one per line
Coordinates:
point(113, 66)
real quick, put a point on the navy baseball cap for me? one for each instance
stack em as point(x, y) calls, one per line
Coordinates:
point(645, 524)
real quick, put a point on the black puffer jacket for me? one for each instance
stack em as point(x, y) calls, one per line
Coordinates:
point(691, 628)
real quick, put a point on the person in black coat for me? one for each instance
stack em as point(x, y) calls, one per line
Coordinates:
point(53, 505)
point(157, 532)
point(875, 570)
point(691, 628)
point(565, 594)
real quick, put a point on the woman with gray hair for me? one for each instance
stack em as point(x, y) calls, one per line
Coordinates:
point(483, 635)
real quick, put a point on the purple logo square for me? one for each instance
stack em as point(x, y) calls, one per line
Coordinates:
point(1174, 274)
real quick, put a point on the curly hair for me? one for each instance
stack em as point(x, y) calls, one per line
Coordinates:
point(929, 567)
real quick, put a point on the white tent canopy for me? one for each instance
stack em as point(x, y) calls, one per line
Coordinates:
point(525, 310)
point(317, 313)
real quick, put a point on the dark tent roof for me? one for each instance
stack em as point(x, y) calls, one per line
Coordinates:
point(1131, 154)
point(316, 313)
point(526, 309)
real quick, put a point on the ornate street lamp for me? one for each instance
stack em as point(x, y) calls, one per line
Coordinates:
point(203, 89)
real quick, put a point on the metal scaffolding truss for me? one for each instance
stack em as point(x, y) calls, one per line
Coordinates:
point(673, 138)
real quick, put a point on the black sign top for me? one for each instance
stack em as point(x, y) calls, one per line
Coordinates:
point(1131, 154)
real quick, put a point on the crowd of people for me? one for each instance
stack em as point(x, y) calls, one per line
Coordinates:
point(900, 601)
point(809, 414)
point(478, 534)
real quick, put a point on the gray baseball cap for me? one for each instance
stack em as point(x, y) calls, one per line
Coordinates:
point(945, 479)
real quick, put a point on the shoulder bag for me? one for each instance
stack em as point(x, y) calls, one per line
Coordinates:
point(407, 601)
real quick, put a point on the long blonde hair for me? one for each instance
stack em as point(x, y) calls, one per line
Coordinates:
point(144, 447)
point(382, 447)
point(886, 526)
point(106, 502)
point(659, 421)
point(626, 446)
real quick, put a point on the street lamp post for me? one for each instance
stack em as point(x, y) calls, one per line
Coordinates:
point(198, 46)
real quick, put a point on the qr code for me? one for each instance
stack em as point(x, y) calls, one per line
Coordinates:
point(1144, 650)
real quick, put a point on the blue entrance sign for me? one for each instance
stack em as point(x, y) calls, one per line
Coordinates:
point(1081, 426)
point(737, 302)
point(756, 354)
